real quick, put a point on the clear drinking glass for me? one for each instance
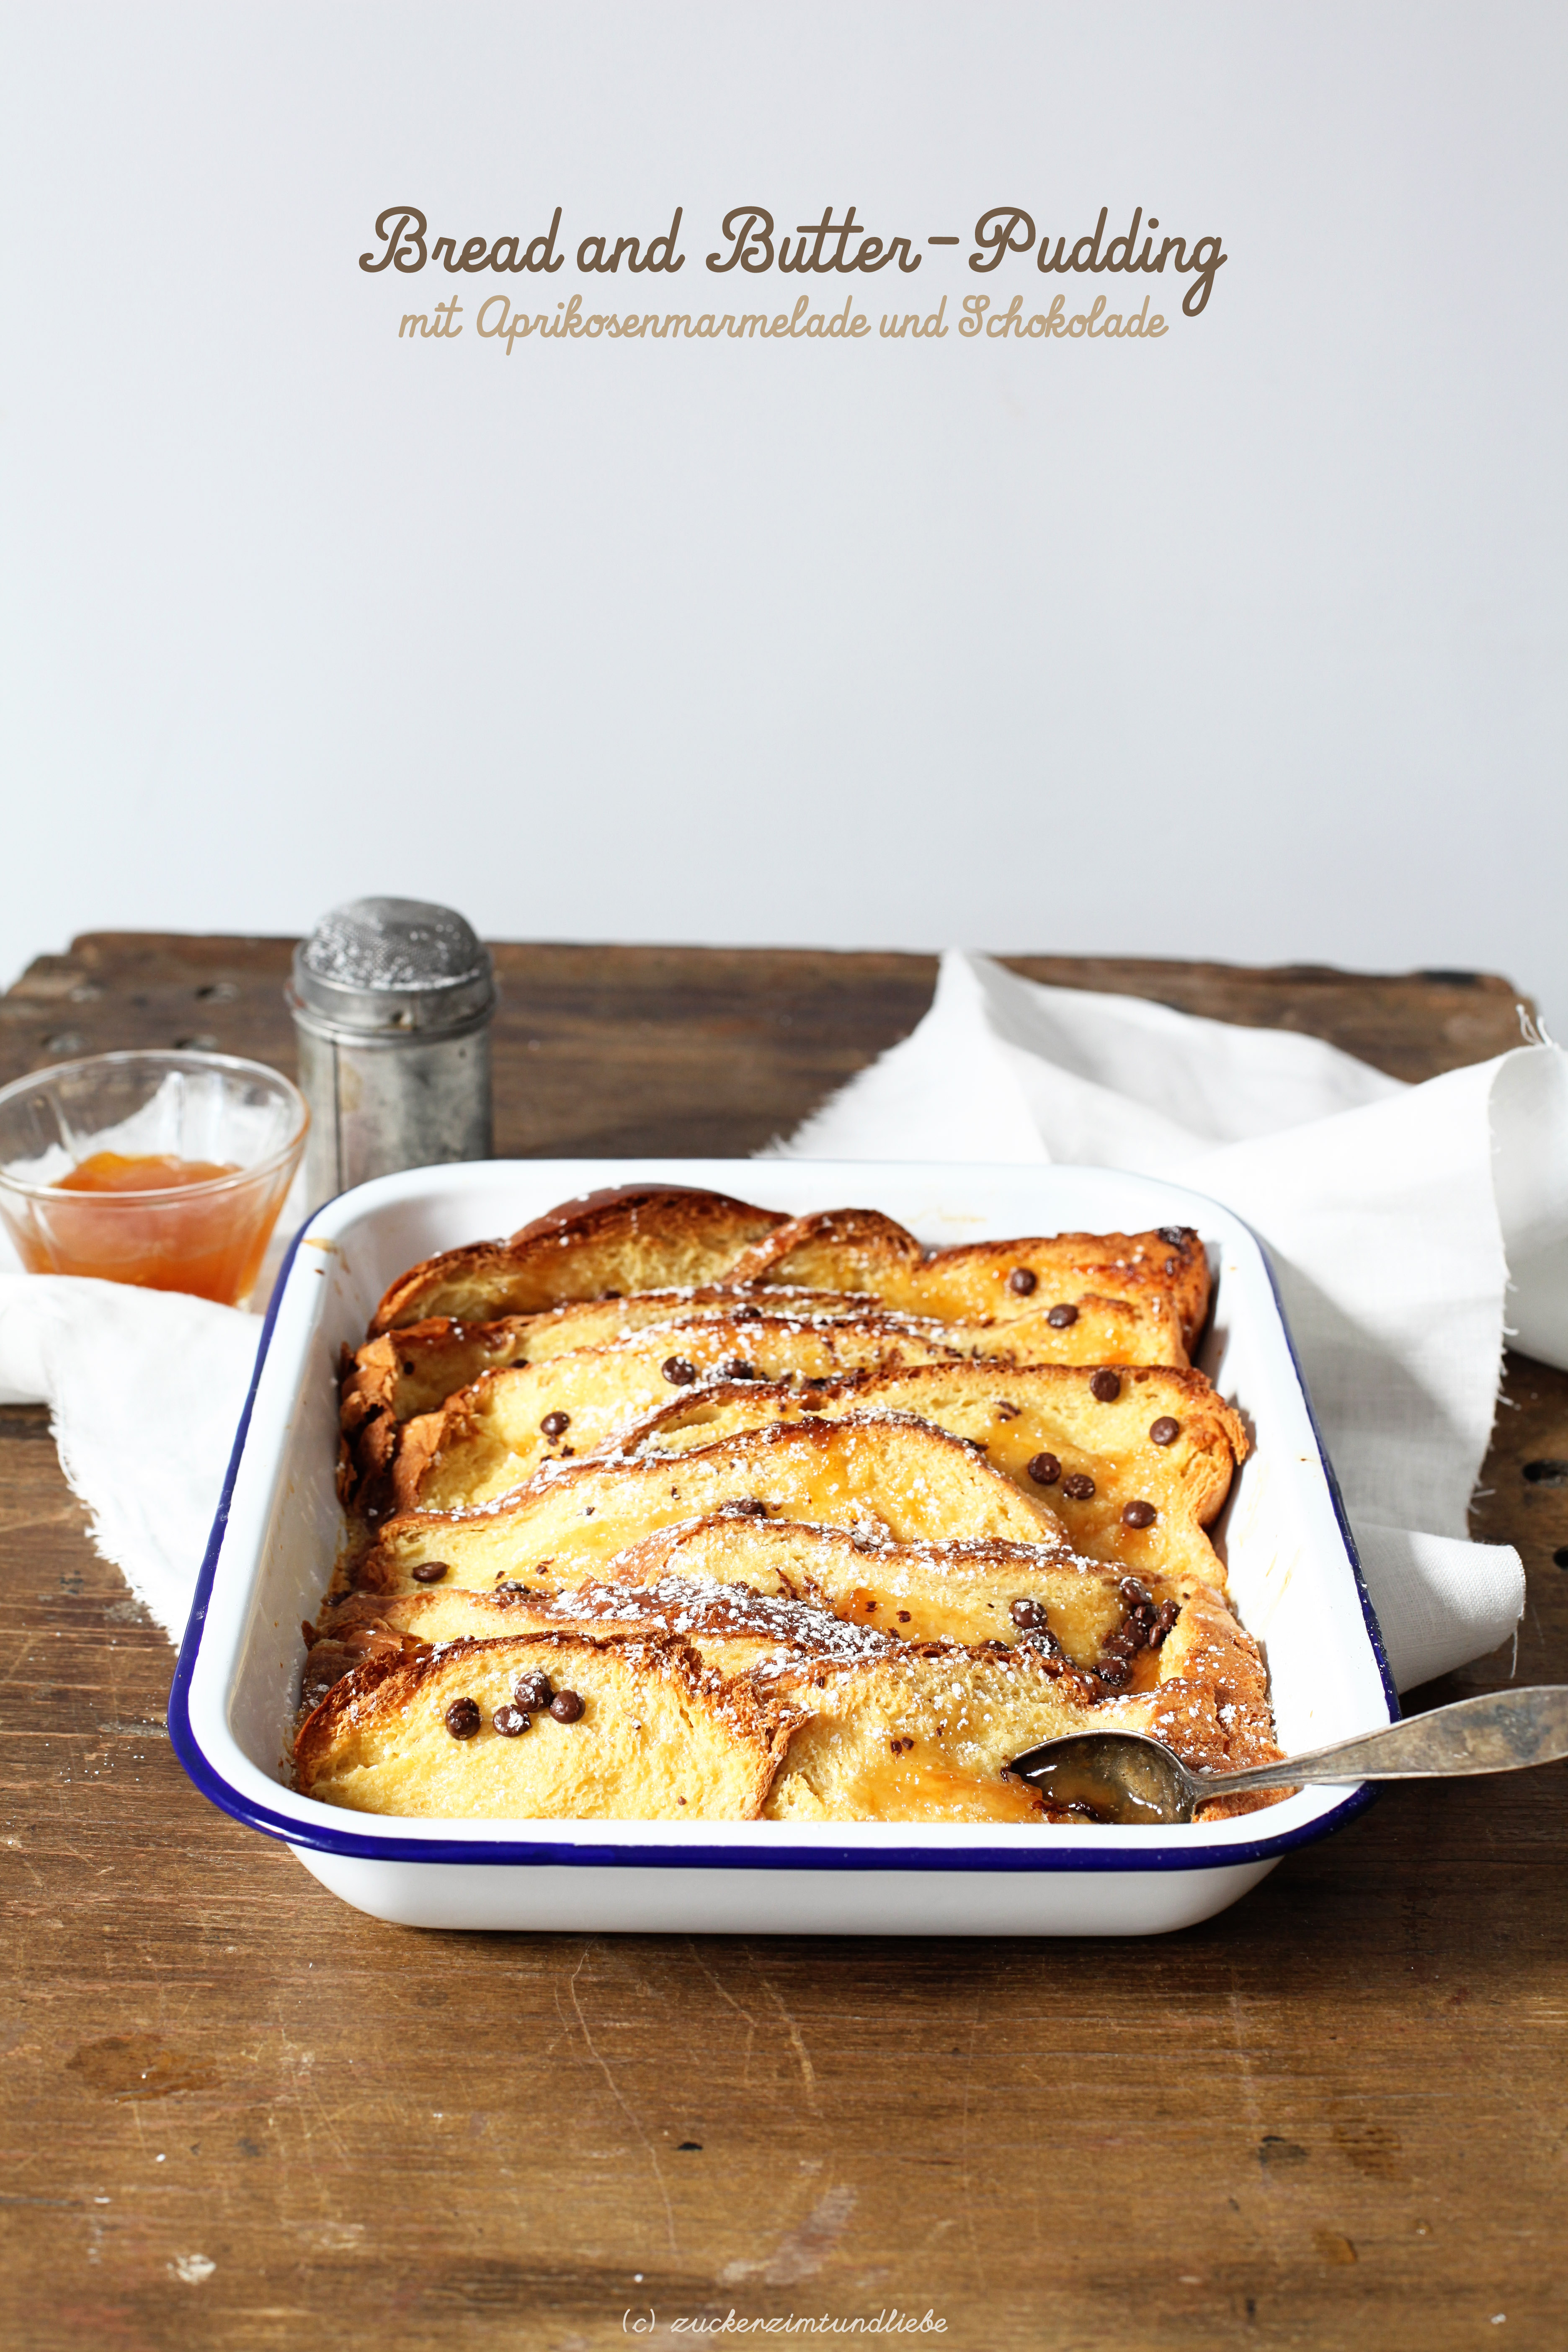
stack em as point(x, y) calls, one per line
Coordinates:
point(163, 1170)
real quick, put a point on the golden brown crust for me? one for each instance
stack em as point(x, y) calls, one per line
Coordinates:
point(1028, 1419)
point(825, 1722)
point(924, 1733)
point(1165, 1273)
point(656, 1737)
point(732, 1627)
point(895, 1479)
point(962, 1591)
point(491, 1438)
point(635, 1237)
point(414, 1369)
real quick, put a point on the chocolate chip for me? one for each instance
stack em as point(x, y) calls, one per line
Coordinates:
point(904, 1616)
point(747, 1315)
point(1027, 1613)
point(533, 1690)
point(1045, 1469)
point(1005, 1411)
point(463, 1718)
point(812, 1405)
point(428, 1572)
point(510, 1720)
point(557, 1424)
point(737, 1368)
point(870, 1605)
point(1062, 1316)
point(565, 1706)
point(1106, 1385)
point(677, 1371)
point(1120, 1644)
point(1022, 1279)
point(1169, 1613)
point(1080, 1487)
point(407, 1367)
point(1138, 1515)
point(1114, 1673)
point(1164, 1431)
point(743, 1506)
point(1134, 1593)
point(1175, 1234)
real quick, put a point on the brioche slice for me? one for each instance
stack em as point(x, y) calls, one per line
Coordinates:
point(966, 1591)
point(415, 1369)
point(626, 1238)
point(1081, 1438)
point(442, 1733)
point(494, 1436)
point(924, 1735)
point(894, 1479)
point(732, 1627)
point(556, 1725)
point(1165, 1273)
point(780, 1584)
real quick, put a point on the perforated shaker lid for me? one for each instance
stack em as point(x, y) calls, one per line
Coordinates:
point(392, 964)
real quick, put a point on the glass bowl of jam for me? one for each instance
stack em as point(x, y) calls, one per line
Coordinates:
point(163, 1170)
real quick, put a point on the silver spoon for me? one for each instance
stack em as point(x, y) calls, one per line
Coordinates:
point(1124, 1777)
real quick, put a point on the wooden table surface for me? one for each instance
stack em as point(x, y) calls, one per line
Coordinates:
point(236, 2111)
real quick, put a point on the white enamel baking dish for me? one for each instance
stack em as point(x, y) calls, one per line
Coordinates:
point(1293, 1568)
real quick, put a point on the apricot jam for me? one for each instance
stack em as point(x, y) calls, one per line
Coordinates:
point(115, 1172)
point(148, 1221)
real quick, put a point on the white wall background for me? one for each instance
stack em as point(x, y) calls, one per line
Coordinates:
point(1248, 644)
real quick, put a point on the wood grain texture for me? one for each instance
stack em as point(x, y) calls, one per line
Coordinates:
point(698, 1051)
point(234, 2110)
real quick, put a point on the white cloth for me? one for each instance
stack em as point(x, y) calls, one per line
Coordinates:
point(147, 1388)
point(1395, 1216)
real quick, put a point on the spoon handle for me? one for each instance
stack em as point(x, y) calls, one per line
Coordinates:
point(1503, 1731)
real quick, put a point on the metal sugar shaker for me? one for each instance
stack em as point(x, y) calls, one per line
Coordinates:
point(392, 1002)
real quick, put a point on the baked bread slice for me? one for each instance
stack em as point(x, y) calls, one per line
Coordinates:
point(924, 1733)
point(1136, 1460)
point(653, 1736)
point(638, 1238)
point(732, 1627)
point(972, 1593)
point(491, 1438)
point(1165, 1273)
point(859, 1728)
point(774, 1583)
point(626, 1238)
point(414, 1369)
point(891, 1478)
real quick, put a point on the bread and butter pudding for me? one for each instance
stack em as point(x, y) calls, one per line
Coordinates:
point(673, 1508)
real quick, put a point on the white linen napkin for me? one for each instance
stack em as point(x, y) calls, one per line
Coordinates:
point(147, 1388)
point(1400, 1220)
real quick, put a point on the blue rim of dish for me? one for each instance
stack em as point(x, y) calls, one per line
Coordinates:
point(525, 1852)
